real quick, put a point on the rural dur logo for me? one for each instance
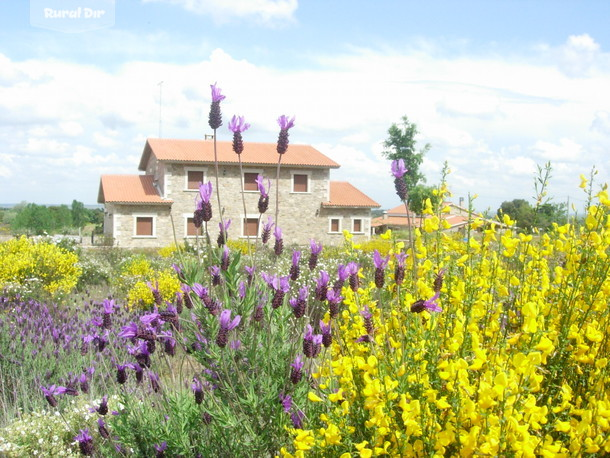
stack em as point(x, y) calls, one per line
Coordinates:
point(72, 15)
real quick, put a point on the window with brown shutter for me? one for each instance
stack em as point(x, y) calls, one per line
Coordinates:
point(194, 179)
point(144, 226)
point(299, 183)
point(191, 230)
point(250, 181)
point(334, 225)
point(250, 227)
point(357, 225)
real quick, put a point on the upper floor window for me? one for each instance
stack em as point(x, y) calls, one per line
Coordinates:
point(300, 182)
point(144, 226)
point(194, 177)
point(250, 181)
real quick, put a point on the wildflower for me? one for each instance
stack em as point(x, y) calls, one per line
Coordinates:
point(103, 407)
point(85, 442)
point(438, 280)
point(297, 418)
point(197, 390)
point(226, 325)
point(263, 200)
point(279, 243)
point(296, 373)
point(206, 418)
point(316, 249)
point(266, 233)
point(367, 316)
point(311, 342)
point(160, 449)
point(399, 171)
point(101, 427)
point(84, 383)
point(286, 401)
point(430, 305)
point(121, 373)
point(299, 304)
point(188, 301)
point(237, 125)
point(155, 292)
point(327, 337)
point(294, 268)
point(215, 118)
point(139, 372)
point(282, 141)
point(380, 265)
point(354, 281)
point(322, 285)
point(203, 210)
point(224, 259)
point(215, 274)
point(342, 275)
point(399, 270)
point(334, 300)
point(50, 392)
point(108, 305)
point(280, 286)
point(250, 273)
point(222, 236)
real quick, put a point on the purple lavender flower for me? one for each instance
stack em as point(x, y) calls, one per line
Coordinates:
point(250, 273)
point(109, 306)
point(380, 265)
point(297, 418)
point(84, 383)
point(286, 401)
point(226, 325)
point(224, 259)
point(322, 285)
point(197, 387)
point(224, 228)
point(160, 449)
point(294, 268)
point(327, 337)
point(241, 290)
point(316, 249)
point(399, 270)
point(121, 373)
point(188, 300)
point(354, 281)
point(438, 280)
point(342, 275)
point(334, 301)
point(158, 297)
point(430, 305)
point(299, 304)
point(296, 373)
point(280, 286)
point(279, 243)
point(312, 343)
point(101, 427)
point(399, 171)
point(150, 319)
point(50, 392)
point(367, 316)
point(237, 125)
point(285, 124)
point(266, 233)
point(263, 200)
point(85, 442)
point(215, 118)
point(203, 210)
point(215, 273)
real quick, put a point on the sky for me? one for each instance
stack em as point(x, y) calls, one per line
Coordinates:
point(497, 88)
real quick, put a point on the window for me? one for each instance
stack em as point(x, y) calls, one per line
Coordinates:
point(334, 225)
point(250, 227)
point(300, 183)
point(250, 181)
point(191, 230)
point(144, 226)
point(194, 178)
point(356, 225)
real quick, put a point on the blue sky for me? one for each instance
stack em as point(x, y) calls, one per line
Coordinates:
point(495, 87)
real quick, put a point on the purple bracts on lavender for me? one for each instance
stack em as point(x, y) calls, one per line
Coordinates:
point(223, 231)
point(101, 428)
point(121, 373)
point(322, 286)
point(354, 281)
point(263, 200)
point(158, 298)
point(438, 280)
point(286, 401)
point(266, 233)
point(226, 325)
point(197, 387)
point(430, 305)
point(380, 265)
point(367, 316)
point(294, 268)
point(102, 409)
point(224, 259)
point(399, 171)
point(327, 337)
point(299, 304)
point(399, 269)
point(334, 301)
point(237, 125)
point(296, 372)
point(215, 118)
point(316, 249)
point(160, 449)
point(312, 343)
point(50, 392)
point(278, 248)
point(85, 442)
point(203, 209)
point(285, 124)
point(215, 274)
point(342, 275)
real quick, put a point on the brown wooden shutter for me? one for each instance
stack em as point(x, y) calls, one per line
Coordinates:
point(250, 181)
point(300, 183)
point(250, 227)
point(144, 225)
point(191, 230)
point(357, 225)
point(334, 225)
point(194, 178)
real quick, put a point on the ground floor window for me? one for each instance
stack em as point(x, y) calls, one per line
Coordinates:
point(334, 225)
point(250, 227)
point(357, 225)
point(191, 230)
point(144, 226)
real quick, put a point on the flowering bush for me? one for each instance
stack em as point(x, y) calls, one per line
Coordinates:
point(27, 264)
point(142, 293)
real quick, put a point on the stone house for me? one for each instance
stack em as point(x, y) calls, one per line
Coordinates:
point(156, 208)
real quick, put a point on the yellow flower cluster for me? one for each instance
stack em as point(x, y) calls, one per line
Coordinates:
point(515, 364)
point(26, 261)
point(138, 276)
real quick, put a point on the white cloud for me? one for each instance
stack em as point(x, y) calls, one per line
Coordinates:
point(268, 12)
point(578, 55)
point(565, 150)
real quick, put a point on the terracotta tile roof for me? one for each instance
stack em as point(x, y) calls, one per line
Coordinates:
point(396, 221)
point(254, 153)
point(343, 194)
point(129, 189)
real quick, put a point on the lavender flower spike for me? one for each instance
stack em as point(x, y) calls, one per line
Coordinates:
point(263, 200)
point(85, 442)
point(203, 212)
point(266, 233)
point(398, 168)
point(226, 325)
point(399, 171)
point(296, 373)
point(278, 248)
point(215, 118)
point(430, 305)
point(285, 124)
point(237, 125)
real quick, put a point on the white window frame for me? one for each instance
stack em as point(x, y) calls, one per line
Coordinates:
point(330, 221)
point(300, 172)
point(135, 226)
point(241, 221)
point(243, 179)
point(194, 169)
point(362, 225)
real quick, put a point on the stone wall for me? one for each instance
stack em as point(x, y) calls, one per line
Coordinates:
point(123, 221)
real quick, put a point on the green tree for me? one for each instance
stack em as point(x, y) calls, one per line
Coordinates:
point(79, 214)
point(519, 210)
point(33, 219)
point(62, 217)
point(418, 196)
point(549, 213)
point(401, 144)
